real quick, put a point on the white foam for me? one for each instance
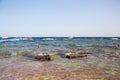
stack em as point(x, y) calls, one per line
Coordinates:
point(4, 37)
point(114, 38)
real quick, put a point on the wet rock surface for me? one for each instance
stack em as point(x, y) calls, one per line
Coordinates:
point(43, 57)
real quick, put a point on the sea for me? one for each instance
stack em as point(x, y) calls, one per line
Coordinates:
point(55, 44)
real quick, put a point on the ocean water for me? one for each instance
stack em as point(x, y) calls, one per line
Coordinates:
point(56, 44)
point(104, 53)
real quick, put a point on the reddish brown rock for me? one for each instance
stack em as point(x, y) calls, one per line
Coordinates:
point(118, 45)
point(38, 46)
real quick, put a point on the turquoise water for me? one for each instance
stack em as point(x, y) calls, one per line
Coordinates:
point(52, 44)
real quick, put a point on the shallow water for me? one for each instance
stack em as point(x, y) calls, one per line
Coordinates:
point(105, 56)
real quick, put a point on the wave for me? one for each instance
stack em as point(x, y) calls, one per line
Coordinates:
point(4, 37)
point(48, 39)
point(114, 38)
point(15, 39)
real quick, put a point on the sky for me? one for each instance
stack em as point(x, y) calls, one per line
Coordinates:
point(82, 18)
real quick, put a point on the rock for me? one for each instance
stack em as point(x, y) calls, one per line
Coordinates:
point(118, 45)
point(5, 55)
point(74, 55)
point(4, 45)
point(78, 53)
point(38, 46)
point(43, 57)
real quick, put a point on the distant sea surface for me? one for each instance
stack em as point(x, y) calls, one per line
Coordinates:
point(52, 44)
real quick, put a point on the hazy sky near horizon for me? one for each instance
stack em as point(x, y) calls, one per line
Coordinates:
point(60, 18)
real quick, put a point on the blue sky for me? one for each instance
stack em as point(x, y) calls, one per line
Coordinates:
point(60, 18)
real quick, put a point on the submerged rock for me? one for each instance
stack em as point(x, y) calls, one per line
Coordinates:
point(5, 55)
point(118, 45)
point(38, 46)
